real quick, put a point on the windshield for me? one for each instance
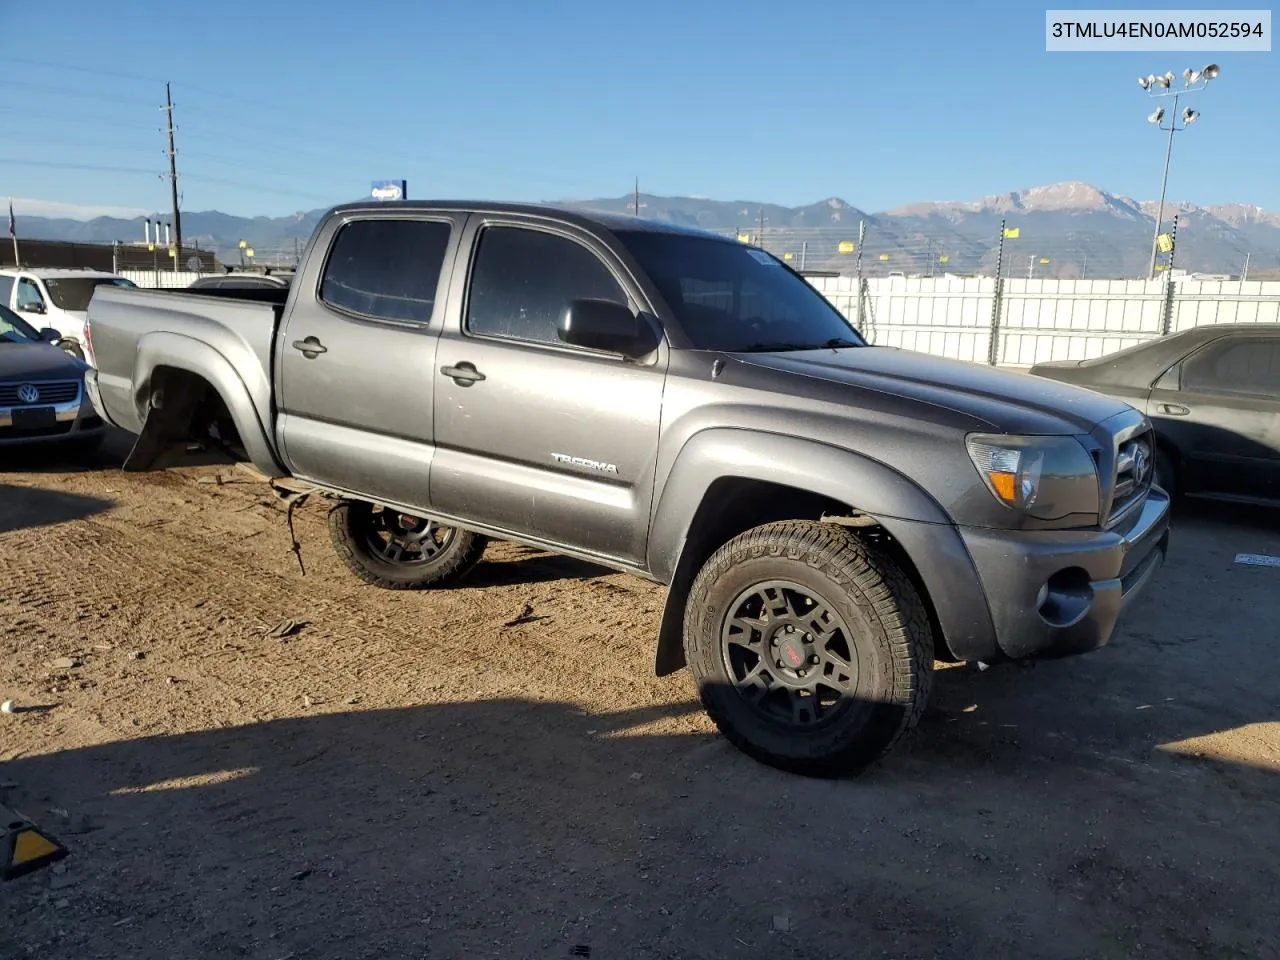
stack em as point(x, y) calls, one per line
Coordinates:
point(74, 293)
point(732, 297)
point(13, 329)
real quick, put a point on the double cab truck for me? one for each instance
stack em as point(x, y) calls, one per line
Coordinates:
point(829, 516)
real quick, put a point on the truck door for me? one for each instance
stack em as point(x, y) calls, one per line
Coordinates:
point(356, 351)
point(535, 436)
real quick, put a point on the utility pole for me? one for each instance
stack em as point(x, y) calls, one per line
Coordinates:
point(635, 197)
point(760, 234)
point(173, 176)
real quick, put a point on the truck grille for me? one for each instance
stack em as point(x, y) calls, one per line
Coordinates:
point(12, 393)
point(1135, 467)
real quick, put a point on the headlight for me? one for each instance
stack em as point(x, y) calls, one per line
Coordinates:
point(1044, 477)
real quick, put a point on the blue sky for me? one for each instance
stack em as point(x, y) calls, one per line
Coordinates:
point(289, 106)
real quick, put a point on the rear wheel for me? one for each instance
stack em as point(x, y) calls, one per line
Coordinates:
point(812, 652)
point(398, 551)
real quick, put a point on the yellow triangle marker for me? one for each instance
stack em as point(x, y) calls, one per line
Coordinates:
point(23, 848)
point(28, 846)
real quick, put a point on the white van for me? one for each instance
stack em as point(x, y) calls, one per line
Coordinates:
point(48, 297)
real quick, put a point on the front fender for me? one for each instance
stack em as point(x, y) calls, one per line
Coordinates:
point(798, 462)
point(906, 511)
point(185, 354)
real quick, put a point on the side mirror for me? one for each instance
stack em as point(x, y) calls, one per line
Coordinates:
point(605, 325)
point(50, 335)
point(31, 307)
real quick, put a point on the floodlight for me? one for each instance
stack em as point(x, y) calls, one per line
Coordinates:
point(1156, 115)
point(1210, 72)
point(1190, 76)
point(1168, 78)
point(1144, 83)
point(1189, 116)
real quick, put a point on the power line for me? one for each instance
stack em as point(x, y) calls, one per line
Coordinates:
point(79, 69)
point(57, 164)
point(70, 92)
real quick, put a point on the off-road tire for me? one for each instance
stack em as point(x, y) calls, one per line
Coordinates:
point(348, 526)
point(889, 634)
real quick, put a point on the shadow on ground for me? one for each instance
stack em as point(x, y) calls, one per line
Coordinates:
point(514, 828)
point(25, 507)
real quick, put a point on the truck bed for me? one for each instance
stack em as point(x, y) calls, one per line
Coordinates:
point(128, 326)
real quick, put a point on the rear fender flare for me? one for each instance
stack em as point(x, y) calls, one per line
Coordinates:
point(174, 351)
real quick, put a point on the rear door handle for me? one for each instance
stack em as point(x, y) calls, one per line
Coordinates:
point(310, 347)
point(1173, 409)
point(463, 374)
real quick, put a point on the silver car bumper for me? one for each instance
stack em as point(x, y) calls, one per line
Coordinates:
point(33, 423)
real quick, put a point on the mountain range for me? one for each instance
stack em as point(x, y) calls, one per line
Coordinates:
point(1063, 229)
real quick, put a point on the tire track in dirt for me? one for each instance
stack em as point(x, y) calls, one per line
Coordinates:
point(217, 575)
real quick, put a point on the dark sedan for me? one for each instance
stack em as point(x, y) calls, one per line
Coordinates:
point(242, 281)
point(42, 396)
point(1213, 394)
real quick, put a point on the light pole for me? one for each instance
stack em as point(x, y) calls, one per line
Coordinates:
point(1193, 81)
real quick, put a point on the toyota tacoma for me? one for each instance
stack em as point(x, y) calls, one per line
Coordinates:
point(829, 516)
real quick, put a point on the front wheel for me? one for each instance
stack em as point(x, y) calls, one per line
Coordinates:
point(398, 551)
point(812, 653)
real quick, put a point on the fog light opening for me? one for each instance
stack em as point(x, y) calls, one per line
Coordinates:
point(1065, 598)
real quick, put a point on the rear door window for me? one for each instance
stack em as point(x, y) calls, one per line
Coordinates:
point(386, 269)
point(1235, 366)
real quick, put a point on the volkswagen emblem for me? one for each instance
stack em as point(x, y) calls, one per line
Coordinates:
point(28, 393)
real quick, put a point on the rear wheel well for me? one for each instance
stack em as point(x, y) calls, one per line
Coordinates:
point(182, 407)
point(733, 505)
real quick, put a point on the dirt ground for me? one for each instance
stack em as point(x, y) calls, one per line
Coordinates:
point(413, 775)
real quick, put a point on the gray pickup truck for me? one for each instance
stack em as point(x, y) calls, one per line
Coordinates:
point(829, 516)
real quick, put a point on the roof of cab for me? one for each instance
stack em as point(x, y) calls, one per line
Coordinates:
point(556, 211)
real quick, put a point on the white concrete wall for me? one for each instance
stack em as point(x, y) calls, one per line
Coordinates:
point(166, 279)
point(1041, 319)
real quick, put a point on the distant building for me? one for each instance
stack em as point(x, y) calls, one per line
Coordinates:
point(105, 256)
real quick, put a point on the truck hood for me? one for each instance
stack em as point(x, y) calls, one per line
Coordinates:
point(37, 361)
point(1003, 401)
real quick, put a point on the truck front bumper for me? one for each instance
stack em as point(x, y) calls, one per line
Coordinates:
point(1061, 592)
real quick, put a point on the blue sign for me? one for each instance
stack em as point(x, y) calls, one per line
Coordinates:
point(390, 189)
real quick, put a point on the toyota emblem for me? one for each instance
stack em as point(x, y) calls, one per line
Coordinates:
point(1141, 462)
point(28, 393)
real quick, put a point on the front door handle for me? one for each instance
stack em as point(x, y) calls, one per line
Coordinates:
point(1173, 409)
point(310, 347)
point(463, 374)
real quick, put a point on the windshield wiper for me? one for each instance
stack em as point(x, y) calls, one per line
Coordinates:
point(778, 346)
